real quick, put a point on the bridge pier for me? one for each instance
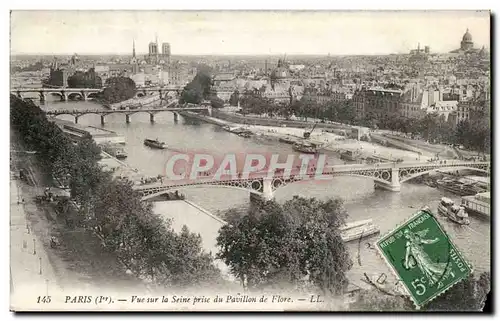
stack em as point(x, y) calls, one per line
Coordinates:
point(151, 117)
point(85, 95)
point(267, 192)
point(43, 97)
point(64, 96)
point(102, 120)
point(127, 119)
point(394, 185)
point(209, 110)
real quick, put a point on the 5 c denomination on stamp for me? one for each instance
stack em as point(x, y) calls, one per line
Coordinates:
point(423, 257)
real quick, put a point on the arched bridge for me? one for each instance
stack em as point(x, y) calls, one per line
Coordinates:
point(104, 112)
point(87, 93)
point(385, 175)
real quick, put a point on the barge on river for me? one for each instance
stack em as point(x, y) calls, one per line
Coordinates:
point(478, 204)
point(155, 144)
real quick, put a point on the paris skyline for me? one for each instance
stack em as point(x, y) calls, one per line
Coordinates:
point(245, 32)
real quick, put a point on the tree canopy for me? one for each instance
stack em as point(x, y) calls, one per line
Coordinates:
point(119, 89)
point(199, 88)
point(88, 79)
point(145, 244)
point(297, 243)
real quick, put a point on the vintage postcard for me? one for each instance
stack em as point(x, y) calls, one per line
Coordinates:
point(250, 160)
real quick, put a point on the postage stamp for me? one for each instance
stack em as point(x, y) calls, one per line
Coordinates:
point(424, 258)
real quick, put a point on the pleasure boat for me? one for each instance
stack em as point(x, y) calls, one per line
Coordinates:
point(454, 213)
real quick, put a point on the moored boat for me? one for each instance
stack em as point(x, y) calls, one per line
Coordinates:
point(287, 140)
point(246, 134)
point(356, 230)
point(155, 143)
point(454, 213)
point(478, 204)
point(306, 148)
point(350, 155)
point(114, 150)
point(460, 187)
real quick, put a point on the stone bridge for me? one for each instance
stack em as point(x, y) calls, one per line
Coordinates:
point(104, 112)
point(87, 93)
point(387, 176)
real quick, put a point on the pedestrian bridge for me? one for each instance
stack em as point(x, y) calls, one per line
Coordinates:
point(87, 93)
point(387, 176)
point(104, 112)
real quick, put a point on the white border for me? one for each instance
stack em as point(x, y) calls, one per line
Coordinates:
point(214, 4)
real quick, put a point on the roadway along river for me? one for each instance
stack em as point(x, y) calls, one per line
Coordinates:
point(387, 209)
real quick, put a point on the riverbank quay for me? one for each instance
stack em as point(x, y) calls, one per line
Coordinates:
point(99, 135)
point(328, 141)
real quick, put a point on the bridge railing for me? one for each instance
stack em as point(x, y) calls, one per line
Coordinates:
point(209, 177)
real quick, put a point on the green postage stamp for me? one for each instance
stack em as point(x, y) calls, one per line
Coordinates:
point(423, 257)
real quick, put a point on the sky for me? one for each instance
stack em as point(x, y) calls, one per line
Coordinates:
point(245, 32)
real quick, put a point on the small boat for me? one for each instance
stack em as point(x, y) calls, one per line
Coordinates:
point(246, 134)
point(350, 155)
point(155, 144)
point(114, 151)
point(121, 154)
point(350, 225)
point(356, 230)
point(286, 140)
point(306, 148)
point(478, 204)
point(453, 212)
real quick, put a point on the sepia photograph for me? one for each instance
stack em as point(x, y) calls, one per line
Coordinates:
point(221, 160)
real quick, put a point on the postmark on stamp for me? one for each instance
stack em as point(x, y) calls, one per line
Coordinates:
point(423, 257)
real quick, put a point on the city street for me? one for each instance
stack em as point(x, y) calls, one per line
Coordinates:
point(31, 271)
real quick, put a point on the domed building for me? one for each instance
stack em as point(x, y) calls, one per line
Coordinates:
point(280, 72)
point(279, 76)
point(466, 45)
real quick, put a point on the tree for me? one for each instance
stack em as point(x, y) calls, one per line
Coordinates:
point(298, 240)
point(235, 97)
point(119, 89)
point(216, 102)
point(199, 88)
point(88, 79)
point(112, 209)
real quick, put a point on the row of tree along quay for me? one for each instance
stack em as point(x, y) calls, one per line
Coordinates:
point(143, 242)
point(472, 133)
point(294, 247)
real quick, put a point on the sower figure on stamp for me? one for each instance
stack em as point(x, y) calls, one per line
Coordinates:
point(416, 255)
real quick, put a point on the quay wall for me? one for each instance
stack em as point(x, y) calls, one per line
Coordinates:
point(252, 120)
point(221, 118)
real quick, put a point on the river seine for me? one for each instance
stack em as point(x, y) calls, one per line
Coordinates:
point(362, 201)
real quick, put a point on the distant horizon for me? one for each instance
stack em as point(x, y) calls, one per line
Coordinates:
point(223, 54)
point(245, 33)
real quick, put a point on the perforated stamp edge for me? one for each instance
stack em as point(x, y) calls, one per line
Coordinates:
point(395, 273)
